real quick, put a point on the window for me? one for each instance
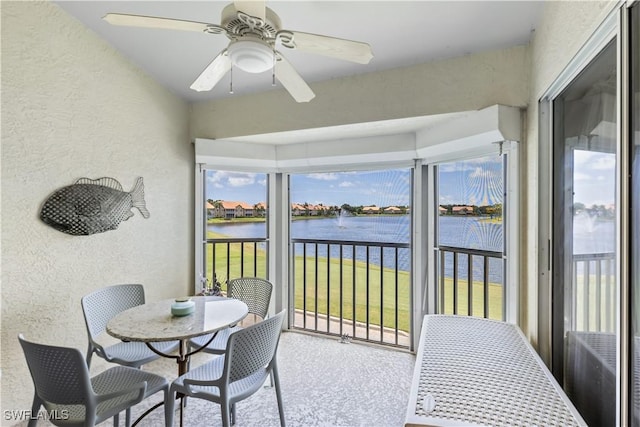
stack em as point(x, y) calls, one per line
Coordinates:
point(368, 285)
point(350, 235)
point(470, 251)
point(235, 226)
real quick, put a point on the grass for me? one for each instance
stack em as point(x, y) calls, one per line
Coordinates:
point(382, 292)
point(235, 220)
point(243, 259)
point(323, 286)
point(477, 291)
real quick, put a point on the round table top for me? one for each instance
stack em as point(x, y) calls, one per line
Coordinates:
point(154, 321)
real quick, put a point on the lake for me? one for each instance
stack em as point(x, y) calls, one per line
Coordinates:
point(469, 232)
point(457, 231)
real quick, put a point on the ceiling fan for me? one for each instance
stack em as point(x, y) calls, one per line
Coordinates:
point(254, 30)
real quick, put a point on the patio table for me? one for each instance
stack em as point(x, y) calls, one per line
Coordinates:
point(153, 322)
point(475, 371)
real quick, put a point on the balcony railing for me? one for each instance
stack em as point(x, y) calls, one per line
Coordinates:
point(594, 292)
point(235, 257)
point(355, 290)
point(470, 282)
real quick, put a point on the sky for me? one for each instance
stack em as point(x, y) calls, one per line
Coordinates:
point(475, 182)
point(461, 183)
point(363, 188)
point(471, 182)
point(594, 178)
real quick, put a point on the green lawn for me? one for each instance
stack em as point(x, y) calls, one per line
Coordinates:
point(477, 291)
point(243, 258)
point(324, 293)
point(328, 297)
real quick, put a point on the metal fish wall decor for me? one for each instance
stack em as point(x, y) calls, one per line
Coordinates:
point(92, 206)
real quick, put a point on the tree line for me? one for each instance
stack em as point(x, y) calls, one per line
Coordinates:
point(484, 210)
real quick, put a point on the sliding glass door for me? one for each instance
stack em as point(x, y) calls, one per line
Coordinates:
point(584, 283)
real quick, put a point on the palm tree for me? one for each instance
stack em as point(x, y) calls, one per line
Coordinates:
point(258, 208)
point(218, 207)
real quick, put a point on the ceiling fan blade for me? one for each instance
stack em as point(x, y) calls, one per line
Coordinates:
point(213, 73)
point(292, 82)
point(348, 50)
point(255, 8)
point(155, 22)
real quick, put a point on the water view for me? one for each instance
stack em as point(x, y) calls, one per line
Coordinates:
point(463, 232)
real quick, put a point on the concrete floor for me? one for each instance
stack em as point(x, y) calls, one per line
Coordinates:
point(323, 383)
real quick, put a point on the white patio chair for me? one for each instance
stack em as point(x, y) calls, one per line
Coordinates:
point(99, 307)
point(254, 292)
point(249, 358)
point(72, 398)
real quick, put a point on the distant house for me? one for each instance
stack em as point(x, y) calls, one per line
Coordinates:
point(316, 209)
point(442, 210)
point(231, 209)
point(462, 210)
point(297, 209)
point(210, 211)
point(392, 210)
point(371, 210)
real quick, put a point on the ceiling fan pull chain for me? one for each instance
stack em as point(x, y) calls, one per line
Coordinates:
point(273, 69)
point(231, 79)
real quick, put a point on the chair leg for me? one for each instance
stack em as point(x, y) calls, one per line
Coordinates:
point(168, 408)
point(274, 373)
point(270, 380)
point(89, 355)
point(35, 408)
point(224, 409)
point(116, 420)
point(127, 417)
point(233, 414)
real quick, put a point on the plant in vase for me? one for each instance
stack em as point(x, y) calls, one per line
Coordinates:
point(210, 287)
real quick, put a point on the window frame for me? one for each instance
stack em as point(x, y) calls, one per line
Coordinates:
point(470, 133)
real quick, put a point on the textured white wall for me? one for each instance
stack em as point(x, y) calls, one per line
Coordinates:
point(460, 84)
point(564, 29)
point(72, 107)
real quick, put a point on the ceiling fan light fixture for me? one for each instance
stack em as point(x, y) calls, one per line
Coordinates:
point(251, 56)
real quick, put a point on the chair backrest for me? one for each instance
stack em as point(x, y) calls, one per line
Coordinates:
point(254, 292)
point(60, 374)
point(100, 306)
point(253, 348)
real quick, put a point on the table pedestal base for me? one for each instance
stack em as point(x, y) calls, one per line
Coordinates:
point(182, 358)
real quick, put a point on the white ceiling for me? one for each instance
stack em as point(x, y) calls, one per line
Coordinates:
point(401, 33)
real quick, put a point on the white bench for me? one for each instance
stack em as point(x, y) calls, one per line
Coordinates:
point(473, 371)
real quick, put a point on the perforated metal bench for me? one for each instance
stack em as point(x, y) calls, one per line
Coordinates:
point(473, 371)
